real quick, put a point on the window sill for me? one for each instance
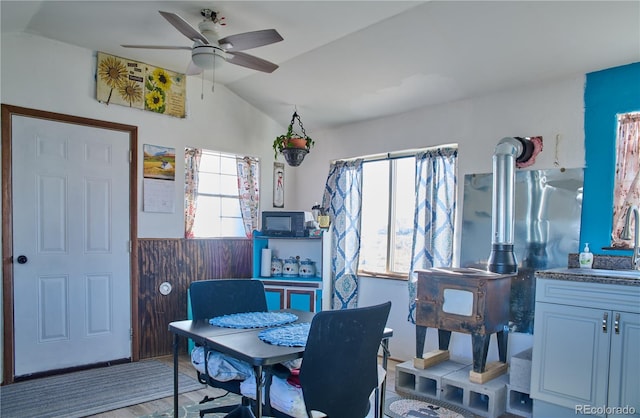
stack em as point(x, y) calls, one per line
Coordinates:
point(370, 275)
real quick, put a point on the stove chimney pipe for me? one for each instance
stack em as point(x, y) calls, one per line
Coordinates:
point(509, 150)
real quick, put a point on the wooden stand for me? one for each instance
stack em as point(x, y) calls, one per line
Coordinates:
point(491, 371)
point(431, 359)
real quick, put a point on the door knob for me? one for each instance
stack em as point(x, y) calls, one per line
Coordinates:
point(22, 259)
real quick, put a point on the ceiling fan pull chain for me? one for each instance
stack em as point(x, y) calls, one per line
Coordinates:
point(213, 67)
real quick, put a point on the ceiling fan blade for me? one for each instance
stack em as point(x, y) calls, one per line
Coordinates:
point(184, 27)
point(249, 61)
point(249, 40)
point(188, 48)
point(193, 69)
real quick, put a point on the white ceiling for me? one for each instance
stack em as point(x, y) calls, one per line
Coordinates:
point(346, 61)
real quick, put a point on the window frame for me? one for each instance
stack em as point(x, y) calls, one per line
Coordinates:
point(222, 196)
point(391, 159)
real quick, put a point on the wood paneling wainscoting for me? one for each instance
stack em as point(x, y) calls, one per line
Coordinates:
point(180, 262)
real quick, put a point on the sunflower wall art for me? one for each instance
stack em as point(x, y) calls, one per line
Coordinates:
point(139, 85)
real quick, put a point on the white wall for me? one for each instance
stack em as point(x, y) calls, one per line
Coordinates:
point(47, 75)
point(553, 110)
point(58, 77)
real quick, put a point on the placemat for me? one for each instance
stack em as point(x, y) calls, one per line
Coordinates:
point(253, 319)
point(288, 336)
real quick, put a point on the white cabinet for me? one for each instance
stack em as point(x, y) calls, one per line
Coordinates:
point(586, 348)
point(302, 293)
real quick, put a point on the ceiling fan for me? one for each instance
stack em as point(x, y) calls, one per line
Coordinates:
point(208, 49)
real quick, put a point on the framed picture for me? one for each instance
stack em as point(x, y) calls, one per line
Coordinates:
point(278, 185)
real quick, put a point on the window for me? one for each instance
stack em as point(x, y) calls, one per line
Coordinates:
point(218, 211)
point(388, 202)
point(626, 190)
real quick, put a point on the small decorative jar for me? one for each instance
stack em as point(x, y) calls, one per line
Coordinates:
point(307, 268)
point(290, 267)
point(276, 266)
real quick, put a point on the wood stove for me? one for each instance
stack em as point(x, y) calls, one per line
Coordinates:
point(463, 300)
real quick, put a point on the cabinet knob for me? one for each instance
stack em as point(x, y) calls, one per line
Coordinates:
point(605, 319)
point(616, 324)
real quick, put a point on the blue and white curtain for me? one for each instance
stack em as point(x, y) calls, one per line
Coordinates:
point(434, 215)
point(343, 201)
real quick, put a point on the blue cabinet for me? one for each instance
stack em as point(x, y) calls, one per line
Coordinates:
point(295, 292)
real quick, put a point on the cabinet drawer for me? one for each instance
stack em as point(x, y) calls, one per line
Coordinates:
point(594, 295)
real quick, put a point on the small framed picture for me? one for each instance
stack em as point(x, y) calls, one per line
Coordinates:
point(278, 185)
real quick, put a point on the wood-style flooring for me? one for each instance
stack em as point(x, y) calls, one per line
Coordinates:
point(194, 396)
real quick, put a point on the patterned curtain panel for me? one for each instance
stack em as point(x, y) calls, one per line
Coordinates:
point(627, 180)
point(343, 201)
point(249, 192)
point(434, 215)
point(192, 158)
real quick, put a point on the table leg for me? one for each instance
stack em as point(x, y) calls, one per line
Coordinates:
point(175, 375)
point(259, 386)
point(383, 387)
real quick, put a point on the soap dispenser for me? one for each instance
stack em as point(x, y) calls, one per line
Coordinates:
point(586, 257)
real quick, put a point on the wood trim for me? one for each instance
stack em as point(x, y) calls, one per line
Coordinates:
point(292, 283)
point(7, 111)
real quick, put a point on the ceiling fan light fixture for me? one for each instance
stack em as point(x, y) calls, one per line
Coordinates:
point(203, 57)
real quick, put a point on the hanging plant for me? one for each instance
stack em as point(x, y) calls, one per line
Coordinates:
point(292, 145)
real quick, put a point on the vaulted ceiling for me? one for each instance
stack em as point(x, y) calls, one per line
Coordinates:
point(347, 61)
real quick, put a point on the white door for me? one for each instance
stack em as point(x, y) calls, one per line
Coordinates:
point(71, 227)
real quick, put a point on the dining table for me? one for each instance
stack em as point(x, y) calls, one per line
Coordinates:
point(245, 344)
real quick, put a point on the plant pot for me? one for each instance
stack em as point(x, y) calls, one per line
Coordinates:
point(296, 142)
point(294, 156)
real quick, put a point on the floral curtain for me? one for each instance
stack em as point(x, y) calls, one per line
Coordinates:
point(249, 192)
point(627, 178)
point(434, 215)
point(192, 158)
point(343, 201)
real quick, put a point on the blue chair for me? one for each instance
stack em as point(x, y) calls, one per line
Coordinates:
point(212, 298)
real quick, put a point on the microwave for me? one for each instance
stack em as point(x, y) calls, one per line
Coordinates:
point(283, 224)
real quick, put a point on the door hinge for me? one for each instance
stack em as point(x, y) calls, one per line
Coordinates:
point(130, 156)
point(130, 245)
point(130, 334)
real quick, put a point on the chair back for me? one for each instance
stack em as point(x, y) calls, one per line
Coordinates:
point(340, 364)
point(212, 298)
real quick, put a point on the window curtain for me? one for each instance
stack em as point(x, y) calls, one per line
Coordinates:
point(249, 192)
point(192, 158)
point(627, 178)
point(342, 200)
point(434, 215)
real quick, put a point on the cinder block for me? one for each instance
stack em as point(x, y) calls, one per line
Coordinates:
point(519, 403)
point(486, 399)
point(412, 381)
point(520, 371)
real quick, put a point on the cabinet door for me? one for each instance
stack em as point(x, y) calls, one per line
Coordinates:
point(302, 299)
point(275, 298)
point(624, 373)
point(570, 361)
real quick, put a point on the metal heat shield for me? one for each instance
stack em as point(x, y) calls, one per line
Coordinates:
point(548, 207)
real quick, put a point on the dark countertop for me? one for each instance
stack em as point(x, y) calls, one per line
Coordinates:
point(607, 276)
